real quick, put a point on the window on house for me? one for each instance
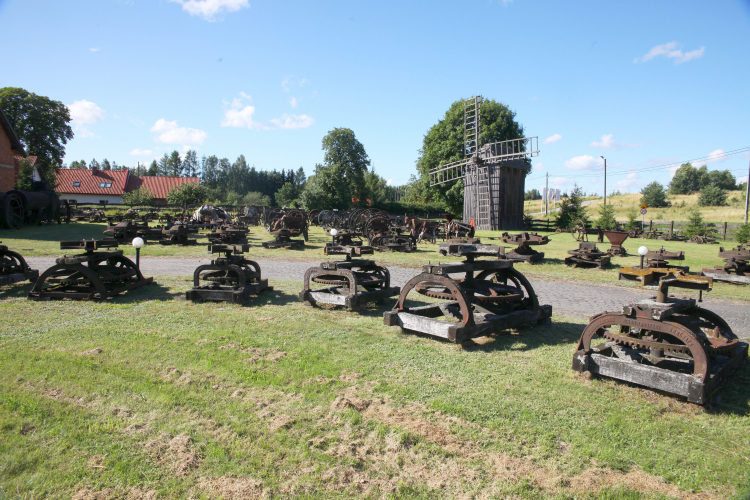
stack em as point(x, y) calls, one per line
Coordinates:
point(105, 184)
point(76, 184)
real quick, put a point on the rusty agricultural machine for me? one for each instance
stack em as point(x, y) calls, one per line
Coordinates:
point(587, 255)
point(455, 229)
point(177, 234)
point(660, 259)
point(124, 232)
point(285, 224)
point(664, 342)
point(40, 206)
point(13, 268)
point(736, 268)
point(489, 297)
point(342, 243)
point(97, 274)
point(354, 283)
point(523, 251)
point(228, 234)
point(229, 278)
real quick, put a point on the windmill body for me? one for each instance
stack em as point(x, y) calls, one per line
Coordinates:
point(494, 174)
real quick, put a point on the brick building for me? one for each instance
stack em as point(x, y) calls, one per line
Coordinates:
point(10, 148)
point(108, 186)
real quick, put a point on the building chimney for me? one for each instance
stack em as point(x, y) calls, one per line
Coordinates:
point(95, 170)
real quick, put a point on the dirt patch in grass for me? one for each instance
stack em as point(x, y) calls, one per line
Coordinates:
point(86, 494)
point(91, 352)
point(451, 473)
point(178, 454)
point(231, 487)
point(141, 492)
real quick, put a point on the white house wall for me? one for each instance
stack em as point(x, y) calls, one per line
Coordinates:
point(91, 198)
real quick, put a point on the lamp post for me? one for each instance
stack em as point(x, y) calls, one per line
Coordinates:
point(642, 251)
point(605, 179)
point(334, 232)
point(137, 244)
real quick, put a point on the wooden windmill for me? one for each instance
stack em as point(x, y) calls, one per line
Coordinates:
point(494, 174)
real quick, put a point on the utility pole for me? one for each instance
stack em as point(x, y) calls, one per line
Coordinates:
point(605, 181)
point(747, 192)
point(546, 193)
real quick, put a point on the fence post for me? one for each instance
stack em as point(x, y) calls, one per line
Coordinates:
point(650, 224)
point(671, 229)
point(725, 231)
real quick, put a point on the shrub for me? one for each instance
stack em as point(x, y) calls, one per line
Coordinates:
point(632, 223)
point(654, 196)
point(606, 218)
point(743, 234)
point(696, 225)
point(140, 196)
point(712, 196)
point(571, 209)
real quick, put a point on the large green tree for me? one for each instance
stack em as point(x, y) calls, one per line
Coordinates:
point(327, 189)
point(41, 124)
point(654, 195)
point(444, 143)
point(344, 151)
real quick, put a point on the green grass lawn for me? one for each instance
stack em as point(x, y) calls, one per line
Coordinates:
point(150, 396)
point(44, 241)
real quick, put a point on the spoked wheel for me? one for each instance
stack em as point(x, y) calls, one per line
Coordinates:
point(578, 230)
point(11, 263)
point(667, 343)
point(363, 279)
point(13, 212)
point(515, 280)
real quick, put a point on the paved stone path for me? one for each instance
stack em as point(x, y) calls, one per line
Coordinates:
point(566, 298)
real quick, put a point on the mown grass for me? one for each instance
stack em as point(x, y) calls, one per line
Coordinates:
point(278, 399)
point(44, 241)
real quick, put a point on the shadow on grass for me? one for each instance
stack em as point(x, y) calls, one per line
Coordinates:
point(16, 290)
point(63, 232)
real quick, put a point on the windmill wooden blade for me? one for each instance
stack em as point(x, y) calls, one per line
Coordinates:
point(513, 149)
point(449, 172)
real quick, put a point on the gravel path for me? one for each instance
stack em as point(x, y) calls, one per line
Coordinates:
point(573, 299)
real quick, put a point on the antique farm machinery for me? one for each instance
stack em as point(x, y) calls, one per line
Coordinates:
point(177, 234)
point(523, 251)
point(354, 283)
point(125, 231)
point(587, 255)
point(660, 259)
point(342, 243)
point(285, 224)
point(664, 342)
point(455, 229)
point(228, 234)
point(98, 273)
point(13, 268)
point(736, 268)
point(616, 239)
point(39, 206)
point(490, 296)
point(229, 278)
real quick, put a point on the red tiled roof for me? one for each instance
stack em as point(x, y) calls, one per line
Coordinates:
point(89, 181)
point(32, 159)
point(159, 186)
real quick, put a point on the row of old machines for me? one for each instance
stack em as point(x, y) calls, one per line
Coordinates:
point(667, 343)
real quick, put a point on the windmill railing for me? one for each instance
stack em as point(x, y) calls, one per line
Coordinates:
point(448, 172)
point(513, 149)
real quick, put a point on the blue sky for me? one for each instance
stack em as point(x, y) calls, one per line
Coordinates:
point(644, 84)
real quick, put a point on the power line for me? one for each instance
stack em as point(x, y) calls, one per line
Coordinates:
point(655, 167)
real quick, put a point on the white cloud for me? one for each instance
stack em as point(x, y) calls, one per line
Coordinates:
point(559, 181)
point(85, 112)
point(608, 142)
point(742, 179)
point(715, 156)
point(293, 102)
point(241, 116)
point(96, 49)
point(170, 133)
point(538, 167)
point(211, 10)
point(672, 50)
point(141, 152)
point(83, 133)
point(290, 80)
point(291, 121)
point(584, 162)
point(631, 180)
point(389, 182)
point(552, 139)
